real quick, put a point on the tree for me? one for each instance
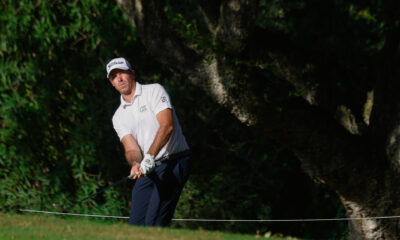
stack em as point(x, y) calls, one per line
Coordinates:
point(320, 77)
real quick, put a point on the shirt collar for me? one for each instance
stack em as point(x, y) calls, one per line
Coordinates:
point(138, 92)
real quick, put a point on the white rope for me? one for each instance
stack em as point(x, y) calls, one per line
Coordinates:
point(219, 220)
point(71, 214)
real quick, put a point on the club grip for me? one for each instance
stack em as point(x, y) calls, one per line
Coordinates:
point(131, 176)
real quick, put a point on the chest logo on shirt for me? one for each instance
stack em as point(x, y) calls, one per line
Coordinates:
point(142, 108)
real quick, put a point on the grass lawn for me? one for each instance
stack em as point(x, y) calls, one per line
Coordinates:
point(38, 226)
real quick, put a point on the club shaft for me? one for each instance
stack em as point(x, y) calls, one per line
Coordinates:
point(99, 191)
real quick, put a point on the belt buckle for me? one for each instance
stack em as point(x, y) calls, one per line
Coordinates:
point(161, 160)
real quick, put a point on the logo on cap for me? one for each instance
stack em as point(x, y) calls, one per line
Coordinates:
point(118, 63)
point(113, 63)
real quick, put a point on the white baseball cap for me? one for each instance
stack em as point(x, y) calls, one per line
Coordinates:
point(118, 63)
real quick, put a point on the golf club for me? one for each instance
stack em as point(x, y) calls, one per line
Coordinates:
point(94, 194)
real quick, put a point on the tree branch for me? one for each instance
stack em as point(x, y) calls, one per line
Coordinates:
point(385, 116)
point(154, 30)
point(207, 21)
point(328, 152)
point(236, 22)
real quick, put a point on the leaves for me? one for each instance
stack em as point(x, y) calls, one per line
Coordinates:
point(51, 109)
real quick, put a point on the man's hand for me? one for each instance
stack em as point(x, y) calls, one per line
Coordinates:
point(133, 155)
point(148, 164)
point(136, 170)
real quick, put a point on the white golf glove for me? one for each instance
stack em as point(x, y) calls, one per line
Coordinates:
point(148, 164)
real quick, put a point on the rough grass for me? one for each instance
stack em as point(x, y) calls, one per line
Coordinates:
point(38, 226)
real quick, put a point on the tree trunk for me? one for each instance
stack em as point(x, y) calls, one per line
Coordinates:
point(377, 204)
point(360, 165)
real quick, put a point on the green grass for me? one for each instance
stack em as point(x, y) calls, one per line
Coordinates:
point(38, 226)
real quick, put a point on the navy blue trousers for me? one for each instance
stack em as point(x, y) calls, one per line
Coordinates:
point(154, 197)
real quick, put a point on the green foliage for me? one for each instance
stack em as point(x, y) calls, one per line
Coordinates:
point(191, 30)
point(55, 120)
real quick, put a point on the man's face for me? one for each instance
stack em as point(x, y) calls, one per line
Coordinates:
point(122, 80)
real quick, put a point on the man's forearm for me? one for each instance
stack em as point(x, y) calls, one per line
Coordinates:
point(133, 157)
point(162, 136)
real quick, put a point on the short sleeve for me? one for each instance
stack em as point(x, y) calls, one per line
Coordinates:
point(160, 99)
point(121, 129)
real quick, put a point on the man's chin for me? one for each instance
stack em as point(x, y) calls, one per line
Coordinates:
point(125, 92)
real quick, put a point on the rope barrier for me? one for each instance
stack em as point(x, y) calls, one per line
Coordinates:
point(218, 220)
point(71, 214)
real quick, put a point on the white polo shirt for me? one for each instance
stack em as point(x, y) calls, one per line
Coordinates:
point(138, 118)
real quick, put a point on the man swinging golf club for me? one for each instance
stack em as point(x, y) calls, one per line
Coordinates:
point(154, 145)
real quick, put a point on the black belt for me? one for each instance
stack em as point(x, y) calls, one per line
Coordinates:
point(173, 156)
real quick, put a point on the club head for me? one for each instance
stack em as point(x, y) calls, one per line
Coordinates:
point(58, 207)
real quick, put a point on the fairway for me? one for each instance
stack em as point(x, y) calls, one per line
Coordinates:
point(30, 226)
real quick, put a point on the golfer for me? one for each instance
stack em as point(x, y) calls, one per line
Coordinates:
point(154, 145)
